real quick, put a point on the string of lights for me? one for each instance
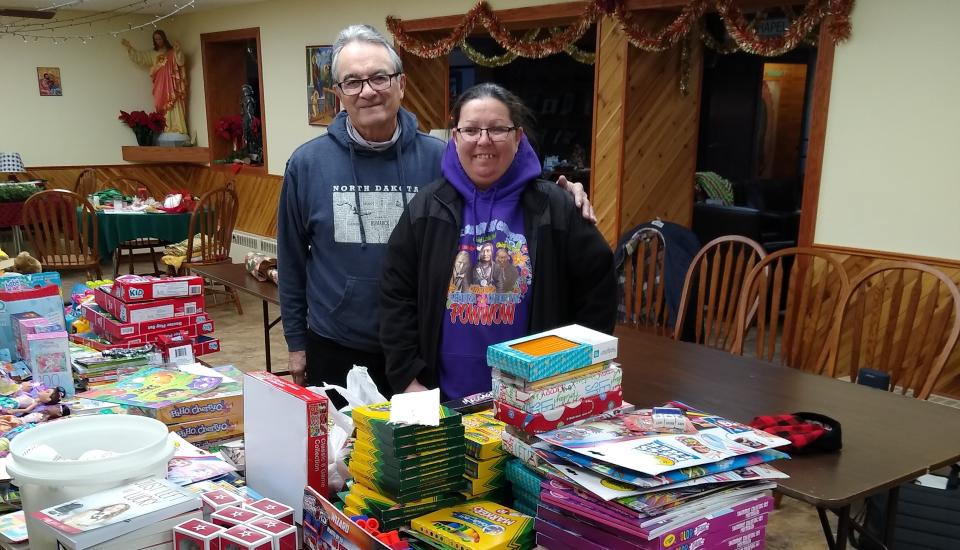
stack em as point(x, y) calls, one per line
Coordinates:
point(38, 33)
point(88, 19)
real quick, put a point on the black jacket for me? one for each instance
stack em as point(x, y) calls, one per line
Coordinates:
point(573, 274)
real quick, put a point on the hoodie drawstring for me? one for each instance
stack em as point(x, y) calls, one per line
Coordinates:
point(356, 194)
point(403, 179)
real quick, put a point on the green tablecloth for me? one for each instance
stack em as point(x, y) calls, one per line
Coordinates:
point(117, 228)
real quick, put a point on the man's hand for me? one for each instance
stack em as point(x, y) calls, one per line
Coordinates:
point(297, 365)
point(415, 386)
point(580, 199)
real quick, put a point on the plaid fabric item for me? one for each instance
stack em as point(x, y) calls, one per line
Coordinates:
point(807, 432)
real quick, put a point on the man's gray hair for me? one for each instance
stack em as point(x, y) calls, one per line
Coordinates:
point(363, 33)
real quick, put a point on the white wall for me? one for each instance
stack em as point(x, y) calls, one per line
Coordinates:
point(80, 127)
point(891, 169)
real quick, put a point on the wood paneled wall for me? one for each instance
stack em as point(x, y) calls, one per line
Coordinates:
point(660, 145)
point(610, 78)
point(258, 194)
point(427, 90)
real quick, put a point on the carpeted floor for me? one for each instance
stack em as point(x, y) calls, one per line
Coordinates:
point(794, 526)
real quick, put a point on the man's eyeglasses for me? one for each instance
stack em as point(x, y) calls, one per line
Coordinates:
point(377, 83)
point(495, 133)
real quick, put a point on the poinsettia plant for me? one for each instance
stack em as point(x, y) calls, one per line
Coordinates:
point(155, 122)
point(230, 128)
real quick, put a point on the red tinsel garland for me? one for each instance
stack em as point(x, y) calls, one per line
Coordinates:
point(733, 18)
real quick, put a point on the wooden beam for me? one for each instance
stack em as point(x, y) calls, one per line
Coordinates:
point(813, 169)
point(546, 15)
point(189, 155)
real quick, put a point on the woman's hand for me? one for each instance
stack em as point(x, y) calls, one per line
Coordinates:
point(415, 386)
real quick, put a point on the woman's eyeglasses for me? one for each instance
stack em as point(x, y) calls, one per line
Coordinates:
point(377, 83)
point(495, 133)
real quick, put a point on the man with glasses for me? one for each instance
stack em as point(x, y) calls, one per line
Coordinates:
point(343, 194)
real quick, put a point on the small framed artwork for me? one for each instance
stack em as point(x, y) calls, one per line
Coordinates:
point(322, 102)
point(48, 78)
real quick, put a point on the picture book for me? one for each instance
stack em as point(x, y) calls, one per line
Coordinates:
point(13, 527)
point(184, 470)
point(154, 388)
point(622, 441)
point(108, 514)
point(477, 525)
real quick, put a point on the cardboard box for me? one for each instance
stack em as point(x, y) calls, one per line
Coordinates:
point(558, 395)
point(537, 423)
point(552, 352)
point(272, 509)
point(245, 537)
point(200, 345)
point(114, 329)
point(326, 528)
point(138, 288)
point(45, 300)
point(50, 360)
point(198, 534)
point(215, 404)
point(285, 437)
point(483, 435)
point(210, 429)
point(147, 311)
point(284, 535)
point(231, 516)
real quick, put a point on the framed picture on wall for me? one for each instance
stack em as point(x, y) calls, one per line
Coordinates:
point(48, 78)
point(322, 103)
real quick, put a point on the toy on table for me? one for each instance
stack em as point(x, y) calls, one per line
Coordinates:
point(24, 264)
point(23, 402)
point(9, 422)
point(372, 526)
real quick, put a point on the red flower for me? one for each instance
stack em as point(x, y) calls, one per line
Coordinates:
point(155, 122)
point(230, 127)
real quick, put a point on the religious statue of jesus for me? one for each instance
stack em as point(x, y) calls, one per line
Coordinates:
point(166, 63)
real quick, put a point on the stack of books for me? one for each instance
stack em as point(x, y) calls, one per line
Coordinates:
point(486, 460)
point(139, 515)
point(643, 479)
point(96, 371)
point(402, 471)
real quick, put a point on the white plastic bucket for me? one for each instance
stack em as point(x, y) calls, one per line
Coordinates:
point(144, 448)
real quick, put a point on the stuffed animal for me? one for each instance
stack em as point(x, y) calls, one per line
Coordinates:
point(24, 264)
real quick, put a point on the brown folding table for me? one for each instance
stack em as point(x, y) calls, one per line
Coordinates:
point(235, 276)
point(888, 439)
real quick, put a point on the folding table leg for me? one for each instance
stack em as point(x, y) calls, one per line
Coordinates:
point(266, 332)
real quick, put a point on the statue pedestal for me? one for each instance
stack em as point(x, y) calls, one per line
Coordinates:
point(171, 139)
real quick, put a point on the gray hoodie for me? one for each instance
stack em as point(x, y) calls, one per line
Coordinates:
point(338, 206)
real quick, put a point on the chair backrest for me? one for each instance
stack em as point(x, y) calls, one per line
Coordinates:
point(126, 185)
point(62, 226)
point(86, 182)
point(712, 287)
point(211, 226)
point(902, 318)
point(643, 286)
point(812, 283)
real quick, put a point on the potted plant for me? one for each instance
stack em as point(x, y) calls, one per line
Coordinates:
point(145, 126)
point(230, 128)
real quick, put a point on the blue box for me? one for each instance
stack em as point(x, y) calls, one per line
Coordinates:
point(581, 347)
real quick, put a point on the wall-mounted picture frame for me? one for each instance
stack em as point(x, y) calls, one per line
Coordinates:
point(322, 102)
point(48, 80)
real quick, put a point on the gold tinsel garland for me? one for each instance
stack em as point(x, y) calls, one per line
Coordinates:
point(740, 30)
point(572, 50)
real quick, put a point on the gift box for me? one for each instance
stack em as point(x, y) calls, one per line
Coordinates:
point(214, 501)
point(137, 312)
point(210, 429)
point(197, 534)
point(218, 403)
point(245, 537)
point(272, 509)
point(27, 323)
point(177, 346)
point(50, 360)
point(284, 534)
point(45, 301)
point(116, 330)
point(138, 288)
point(552, 352)
point(560, 394)
point(232, 516)
point(285, 436)
point(551, 420)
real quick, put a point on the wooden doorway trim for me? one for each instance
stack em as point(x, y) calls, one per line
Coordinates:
point(546, 15)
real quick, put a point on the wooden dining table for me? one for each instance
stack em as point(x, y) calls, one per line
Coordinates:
point(888, 439)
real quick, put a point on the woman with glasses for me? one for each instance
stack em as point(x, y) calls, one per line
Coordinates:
point(535, 262)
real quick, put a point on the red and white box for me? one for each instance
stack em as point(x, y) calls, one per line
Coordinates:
point(282, 415)
point(138, 288)
point(245, 537)
point(232, 515)
point(114, 329)
point(272, 509)
point(139, 312)
point(213, 501)
point(197, 534)
point(536, 423)
point(284, 534)
point(173, 345)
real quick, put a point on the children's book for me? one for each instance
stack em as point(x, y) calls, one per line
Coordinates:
point(96, 518)
point(623, 441)
point(154, 388)
point(13, 527)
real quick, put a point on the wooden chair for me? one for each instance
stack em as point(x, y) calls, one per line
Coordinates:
point(815, 282)
point(715, 279)
point(86, 182)
point(130, 187)
point(210, 234)
point(896, 317)
point(643, 285)
point(62, 226)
